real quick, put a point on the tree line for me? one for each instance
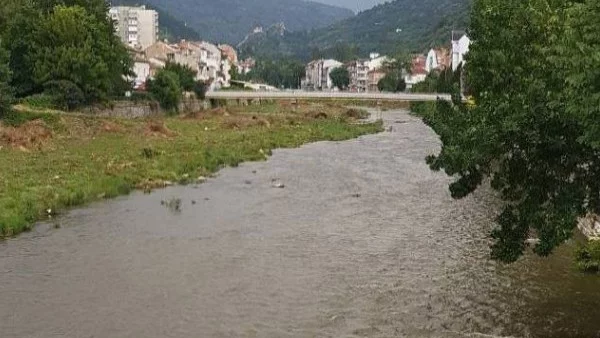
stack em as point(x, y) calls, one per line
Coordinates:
point(66, 48)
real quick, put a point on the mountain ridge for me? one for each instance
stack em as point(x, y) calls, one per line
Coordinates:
point(229, 21)
point(401, 26)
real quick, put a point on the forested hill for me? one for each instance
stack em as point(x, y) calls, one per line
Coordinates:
point(398, 26)
point(170, 27)
point(230, 20)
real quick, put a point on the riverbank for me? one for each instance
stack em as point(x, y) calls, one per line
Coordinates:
point(51, 161)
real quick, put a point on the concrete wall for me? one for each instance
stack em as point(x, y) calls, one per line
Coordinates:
point(132, 110)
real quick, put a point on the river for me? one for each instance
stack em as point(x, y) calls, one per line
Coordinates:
point(363, 241)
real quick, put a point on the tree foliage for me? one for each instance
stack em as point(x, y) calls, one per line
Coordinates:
point(166, 89)
point(392, 82)
point(63, 40)
point(534, 129)
point(186, 75)
point(340, 77)
point(440, 81)
point(6, 94)
point(285, 73)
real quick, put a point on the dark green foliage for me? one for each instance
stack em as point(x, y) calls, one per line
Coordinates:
point(445, 81)
point(534, 128)
point(186, 75)
point(200, 88)
point(63, 40)
point(165, 89)
point(392, 82)
point(281, 73)
point(340, 78)
point(6, 95)
point(64, 94)
point(396, 26)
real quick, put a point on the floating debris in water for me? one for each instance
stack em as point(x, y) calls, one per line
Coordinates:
point(173, 204)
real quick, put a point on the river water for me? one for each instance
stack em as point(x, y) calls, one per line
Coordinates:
point(363, 241)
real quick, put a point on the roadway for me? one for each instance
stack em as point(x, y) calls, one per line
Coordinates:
point(249, 95)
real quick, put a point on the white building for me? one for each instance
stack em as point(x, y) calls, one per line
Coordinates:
point(318, 74)
point(136, 26)
point(327, 67)
point(460, 48)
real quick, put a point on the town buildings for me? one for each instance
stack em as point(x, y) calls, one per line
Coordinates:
point(460, 47)
point(373, 78)
point(318, 74)
point(437, 59)
point(358, 71)
point(209, 62)
point(417, 72)
point(137, 27)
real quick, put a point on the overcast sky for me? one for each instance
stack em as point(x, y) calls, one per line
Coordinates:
point(356, 5)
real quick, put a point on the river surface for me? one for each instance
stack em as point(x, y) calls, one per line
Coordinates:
point(363, 241)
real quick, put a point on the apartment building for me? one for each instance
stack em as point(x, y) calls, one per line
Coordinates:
point(318, 74)
point(137, 27)
point(359, 78)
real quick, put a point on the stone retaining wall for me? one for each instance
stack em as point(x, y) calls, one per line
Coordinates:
point(141, 109)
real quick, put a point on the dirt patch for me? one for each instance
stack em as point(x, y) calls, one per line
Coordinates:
point(112, 127)
point(356, 114)
point(158, 128)
point(243, 122)
point(32, 134)
point(313, 114)
point(209, 113)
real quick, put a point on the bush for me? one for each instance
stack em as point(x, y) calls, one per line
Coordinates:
point(66, 94)
point(185, 74)
point(165, 89)
point(5, 100)
point(392, 83)
point(587, 257)
point(40, 101)
point(200, 88)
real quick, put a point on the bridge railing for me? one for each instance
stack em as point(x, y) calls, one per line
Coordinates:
point(325, 95)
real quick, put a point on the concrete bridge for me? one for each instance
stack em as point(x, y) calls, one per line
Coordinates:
point(291, 95)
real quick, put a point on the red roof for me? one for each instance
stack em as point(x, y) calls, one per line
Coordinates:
point(418, 65)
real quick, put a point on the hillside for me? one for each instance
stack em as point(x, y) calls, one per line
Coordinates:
point(393, 27)
point(401, 24)
point(230, 20)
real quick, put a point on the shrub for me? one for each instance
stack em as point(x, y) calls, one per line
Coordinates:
point(587, 257)
point(200, 88)
point(185, 74)
point(40, 101)
point(165, 89)
point(66, 94)
point(392, 82)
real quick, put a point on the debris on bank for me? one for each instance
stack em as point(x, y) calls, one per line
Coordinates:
point(590, 226)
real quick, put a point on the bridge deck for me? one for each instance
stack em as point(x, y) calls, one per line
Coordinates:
point(232, 95)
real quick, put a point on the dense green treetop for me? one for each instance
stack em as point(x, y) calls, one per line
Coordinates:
point(64, 40)
point(533, 70)
point(340, 77)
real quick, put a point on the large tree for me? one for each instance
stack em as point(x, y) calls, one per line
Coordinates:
point(340, 77)
point(534, 130)
point(63, 40)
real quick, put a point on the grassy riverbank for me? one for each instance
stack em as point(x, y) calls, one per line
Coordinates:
point(51, 161)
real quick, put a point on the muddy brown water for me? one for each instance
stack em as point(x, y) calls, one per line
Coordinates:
point(363, 241)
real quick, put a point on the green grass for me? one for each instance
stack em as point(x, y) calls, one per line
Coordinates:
point(89, 158)
point(587, 257)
